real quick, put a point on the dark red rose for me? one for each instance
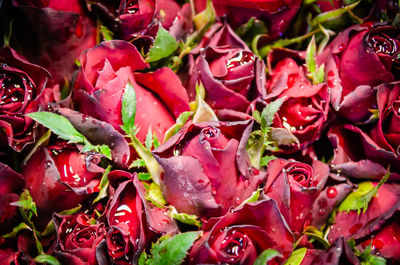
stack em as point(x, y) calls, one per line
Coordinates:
point(230, 72)
point(386, 133)
point(77, 238)
point(133, 221)
point(276, 14)
point(21, 86)
point(305, 107)
point(386, 242)
point(53, 33)
point(377, 145)
point(11, 184)
point(213, 168)
point(357, 60)
point(295, 186)
point(59, 177)
point(351, 224)
point(241, 235)
point(108, 68)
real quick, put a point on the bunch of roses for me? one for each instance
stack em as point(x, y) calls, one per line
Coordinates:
point(199, 132)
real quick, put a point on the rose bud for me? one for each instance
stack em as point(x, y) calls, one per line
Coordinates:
point(360, 223)
point(357, 60)
point(277, 15)
point(229, 72)
point(295, 186)
point(108, 68)
point(213, 168)
point(21, 86)
point(386, 242)
point(53, 34)
point(11, 184)
point(77, 239)
point(241, 235)
point(59, 177)
point(305, 107)
point(133, 222)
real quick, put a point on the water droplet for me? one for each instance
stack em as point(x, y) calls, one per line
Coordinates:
point(322, 211)
point(48, 164)
point(331, 192)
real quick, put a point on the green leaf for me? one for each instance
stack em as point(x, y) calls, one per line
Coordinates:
point(207, 15)
point(360, 198)
point(103, 187)
point(315, 234)
point(255, 148)
point(297, 257)
point(137, 163)
point(189, 219)
point(8, 33)
point(143, 176)
point(47, 259)
point(71, 211)
point(164, 45)
point(266, 256)
point(173, 250)
point(151, 163)
point(180, 121)
point(16, 230)
point(106, 33)
point(48, 230)
point(310, 55)
point(367, 258)
point(266, 159)
point(42, 141)
point(149, 139)
point(128, 108)
point(58, 125)
point(154, 194)
point(26, 203)
point(320, 74)
point(203, 112)
point(268, 113)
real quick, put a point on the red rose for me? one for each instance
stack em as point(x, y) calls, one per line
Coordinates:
point(108, 68)
point(241, 235)
point(11, 184)
point(213, 168)
point(276, 14)
point(305, 107)
point(77, 239)
point(230, 72)
point(59, 177)
point(357, 60)
point(21, 86)
point(53, 33)
point(295, 186)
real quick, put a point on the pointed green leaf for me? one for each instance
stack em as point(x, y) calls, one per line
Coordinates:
point(360, 198)
point(268, 113)
point(310, 55)
point(154, 194)
point(26, 203)
point(47, 259)
point(297, 257)
point(106, 33)
point(149, 139)
point(58, 125)
point(137, 163)
point(164, 45)
point(16, 230)
point(71, 211)
point(266, 256)
point(144, 176)
point(253, 198)
point(203, 111)
point(103, 187)
point(128, 108)
point(173, 250)
point(189, 219)
point(255, 148)
point(180, 121)
point(266, 159)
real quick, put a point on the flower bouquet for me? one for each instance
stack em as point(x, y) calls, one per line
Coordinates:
point(199, 132)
